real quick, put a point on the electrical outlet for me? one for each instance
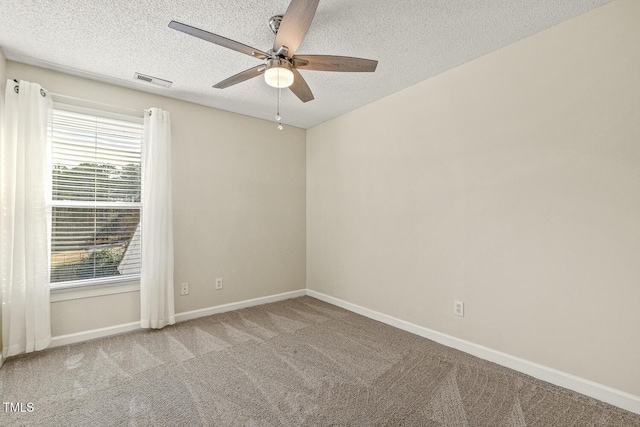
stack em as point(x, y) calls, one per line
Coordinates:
point(458, 308)
point(219, 283)
point(184, 289)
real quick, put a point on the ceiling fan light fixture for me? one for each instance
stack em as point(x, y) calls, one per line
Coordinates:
point(281, 61)
point(278, 73)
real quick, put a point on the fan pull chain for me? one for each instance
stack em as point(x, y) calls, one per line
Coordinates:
point(278, 117)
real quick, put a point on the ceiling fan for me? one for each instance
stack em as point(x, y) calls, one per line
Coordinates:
point(281, 64)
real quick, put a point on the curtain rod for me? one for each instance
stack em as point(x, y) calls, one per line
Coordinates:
point(117, 107)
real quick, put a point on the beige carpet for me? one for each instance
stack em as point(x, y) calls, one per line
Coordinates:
point(300, 362)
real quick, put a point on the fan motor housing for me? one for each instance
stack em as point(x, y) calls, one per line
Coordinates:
point(278, 62)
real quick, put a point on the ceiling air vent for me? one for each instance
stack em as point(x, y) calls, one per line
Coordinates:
point(152, 80)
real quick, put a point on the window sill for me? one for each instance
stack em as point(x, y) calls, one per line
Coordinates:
point(94, 289)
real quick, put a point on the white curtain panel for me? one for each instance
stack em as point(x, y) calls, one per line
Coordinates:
point(156, 281)
point(25, 218)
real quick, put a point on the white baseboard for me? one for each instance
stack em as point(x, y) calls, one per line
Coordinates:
point(93, 334)
point(188, 315)
point(180, 317)
point(589, 388)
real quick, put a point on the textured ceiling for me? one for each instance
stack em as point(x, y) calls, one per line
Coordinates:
point(412, 40)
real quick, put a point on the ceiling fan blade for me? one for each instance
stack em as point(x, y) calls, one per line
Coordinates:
point(294, 25)
point(241, 77)
point(334, 63)
point(219, 40)
point(300, 88)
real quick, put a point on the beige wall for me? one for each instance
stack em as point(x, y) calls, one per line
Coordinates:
point(239, 204)
point(511, 183)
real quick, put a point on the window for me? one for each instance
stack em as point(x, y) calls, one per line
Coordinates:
point(96, 177)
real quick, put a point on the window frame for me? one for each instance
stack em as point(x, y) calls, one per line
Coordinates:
point(87, 288)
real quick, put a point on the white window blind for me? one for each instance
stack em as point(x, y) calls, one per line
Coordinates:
point(96, 197)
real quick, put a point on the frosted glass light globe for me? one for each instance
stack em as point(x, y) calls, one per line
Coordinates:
point(279, 77)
